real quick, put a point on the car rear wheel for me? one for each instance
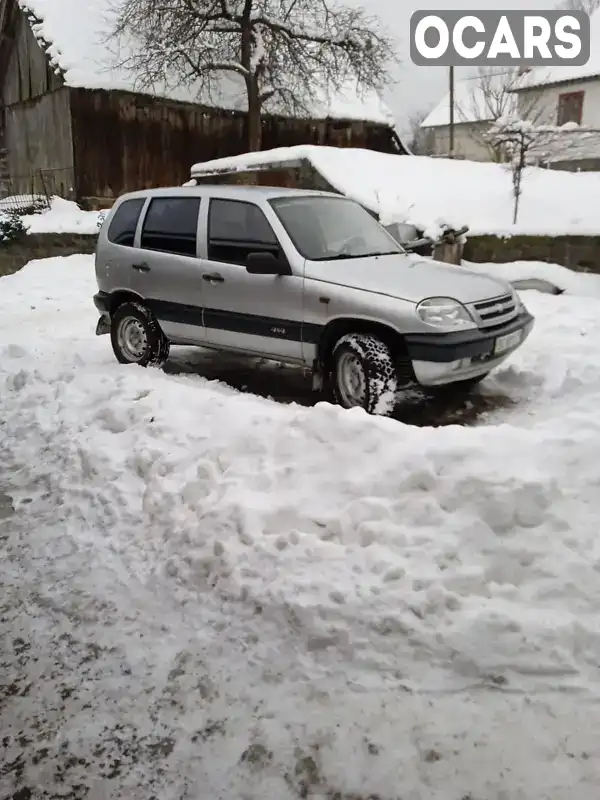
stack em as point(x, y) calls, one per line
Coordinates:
point(136, 336)
point(363, 374)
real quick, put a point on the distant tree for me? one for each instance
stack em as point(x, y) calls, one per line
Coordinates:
point(490, 97)
point(589, 6)
point(524, 143)
point(416, 135)
point(283, 52)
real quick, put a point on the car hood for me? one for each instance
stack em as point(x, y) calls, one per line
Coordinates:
point(407, 278)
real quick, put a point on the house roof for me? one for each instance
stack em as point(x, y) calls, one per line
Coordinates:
point(549, 76)
point(476, 99)
point(74, 35)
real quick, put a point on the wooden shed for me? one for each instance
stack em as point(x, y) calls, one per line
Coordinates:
point(92, 144)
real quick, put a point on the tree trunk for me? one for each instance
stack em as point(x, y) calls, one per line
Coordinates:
point(518, 177)
point(253, 126)
point(254, 122)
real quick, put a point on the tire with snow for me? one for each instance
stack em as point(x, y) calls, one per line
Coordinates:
point(136, 336)
point(363, 374)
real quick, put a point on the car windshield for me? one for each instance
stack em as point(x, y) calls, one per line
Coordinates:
point(331, 228)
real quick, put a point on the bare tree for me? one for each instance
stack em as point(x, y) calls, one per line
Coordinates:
point(417, 136)
point(589, 6)
point(491, 95)
point(283, 52)
point(524, 143)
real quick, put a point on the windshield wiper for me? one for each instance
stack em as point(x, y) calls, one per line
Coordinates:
point(342, 256)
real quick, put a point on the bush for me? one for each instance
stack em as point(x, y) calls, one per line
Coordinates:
point(12, 228)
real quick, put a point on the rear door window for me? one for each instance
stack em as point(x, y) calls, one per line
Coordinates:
point(124, 223)
point(171, 225)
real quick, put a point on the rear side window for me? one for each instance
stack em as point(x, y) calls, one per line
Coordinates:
point(123, 224)
point(171, 225)
point(236, 228)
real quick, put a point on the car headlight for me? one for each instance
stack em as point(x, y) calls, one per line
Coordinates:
point(443, 312)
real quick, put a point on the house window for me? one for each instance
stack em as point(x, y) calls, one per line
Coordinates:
point(570, 108)
point(170, 225)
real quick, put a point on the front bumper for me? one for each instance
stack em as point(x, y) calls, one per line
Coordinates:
point(442, 358)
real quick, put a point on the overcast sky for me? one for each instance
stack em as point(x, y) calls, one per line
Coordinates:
point(420, 88)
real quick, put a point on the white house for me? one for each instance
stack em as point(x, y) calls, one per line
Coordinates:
point(564, 99)
point(567, 94)
point(558, 96)
point(478, 101)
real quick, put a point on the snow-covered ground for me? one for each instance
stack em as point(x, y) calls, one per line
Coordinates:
point(425, 191)
point(63, 216)
point(211, 595)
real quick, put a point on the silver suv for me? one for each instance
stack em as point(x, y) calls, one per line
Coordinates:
point(307, 278)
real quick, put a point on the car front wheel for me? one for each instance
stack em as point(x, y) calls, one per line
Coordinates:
point(364, 374)
point(136, 336)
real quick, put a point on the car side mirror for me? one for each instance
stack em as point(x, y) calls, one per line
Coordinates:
point(265, 263)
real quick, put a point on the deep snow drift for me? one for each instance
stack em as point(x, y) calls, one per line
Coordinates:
point(399, 187)
point(61, 216)
point(64, 216)
point(208, 594)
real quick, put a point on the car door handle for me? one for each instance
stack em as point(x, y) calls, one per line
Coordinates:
point(143, 267)
point(213, 277)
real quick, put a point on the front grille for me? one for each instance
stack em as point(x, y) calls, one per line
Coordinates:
point(498, 311)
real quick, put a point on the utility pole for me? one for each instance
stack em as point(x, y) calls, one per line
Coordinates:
point(451, 145)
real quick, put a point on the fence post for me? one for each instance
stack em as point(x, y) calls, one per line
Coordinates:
point(44, 188)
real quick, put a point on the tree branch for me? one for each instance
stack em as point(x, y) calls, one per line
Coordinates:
point(285, 53)
point(300, 36)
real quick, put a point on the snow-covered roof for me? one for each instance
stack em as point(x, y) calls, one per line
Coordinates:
point(477, 99)
point(399, 189)
point(548, 76)
point(74, 34)
point(573, 143)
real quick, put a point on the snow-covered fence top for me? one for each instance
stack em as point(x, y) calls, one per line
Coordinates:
point(430, 192)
